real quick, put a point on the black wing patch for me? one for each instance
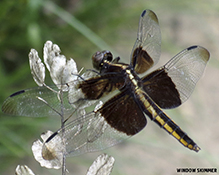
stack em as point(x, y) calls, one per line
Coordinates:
point(97, 87)
point(122, 113)
point(159, 86)
point(172, 84)
point(147, 48)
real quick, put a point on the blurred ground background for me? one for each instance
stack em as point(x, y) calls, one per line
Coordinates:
point(26, 24)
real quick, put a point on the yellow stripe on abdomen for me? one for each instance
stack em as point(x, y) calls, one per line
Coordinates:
point(158, 116)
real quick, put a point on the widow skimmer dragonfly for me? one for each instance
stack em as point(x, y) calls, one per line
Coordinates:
point(123, 115)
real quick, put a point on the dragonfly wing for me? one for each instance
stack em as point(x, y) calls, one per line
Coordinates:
point(37, 102)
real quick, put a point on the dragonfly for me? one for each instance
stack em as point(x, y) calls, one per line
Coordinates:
point(122, 95)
